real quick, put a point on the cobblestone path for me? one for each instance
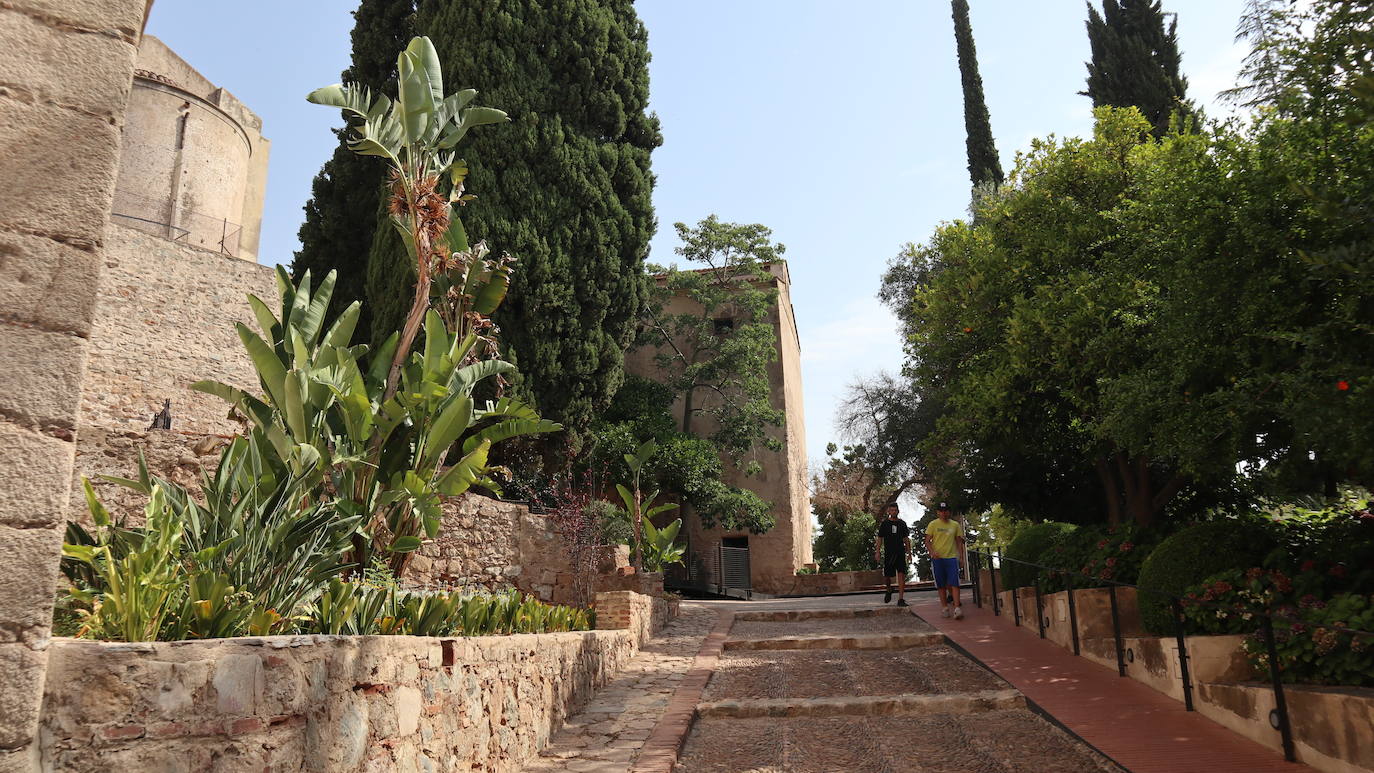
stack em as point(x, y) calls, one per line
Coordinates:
point(608, 734)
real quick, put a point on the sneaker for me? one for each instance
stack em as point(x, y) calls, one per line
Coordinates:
point(959, 613)
point(887, 597)
point(944, 612)
point(902, 603)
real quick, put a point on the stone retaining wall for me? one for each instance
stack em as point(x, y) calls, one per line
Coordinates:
point(326, 703)
point(835, 582)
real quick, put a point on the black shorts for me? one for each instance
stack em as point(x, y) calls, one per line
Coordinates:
point(894, 565)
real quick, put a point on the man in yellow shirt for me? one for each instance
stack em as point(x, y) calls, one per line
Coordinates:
point(945, 542)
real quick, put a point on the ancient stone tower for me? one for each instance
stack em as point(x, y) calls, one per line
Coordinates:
point(193, 164)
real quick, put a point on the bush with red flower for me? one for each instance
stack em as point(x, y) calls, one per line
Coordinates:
point(1098, 554)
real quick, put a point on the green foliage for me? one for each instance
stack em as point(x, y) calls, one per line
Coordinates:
point(984, 167)
point(640, 506)
point(565, 187)
point(716, 353)
point(1135, 61)
point(1098, 553)
point(846, 545)
point(686, 465)
point(1191, 555)
point(1032, 545)
point(660, 546)
point(324, 417)
point(613, 523)
point(360, 608)
point(341, 216)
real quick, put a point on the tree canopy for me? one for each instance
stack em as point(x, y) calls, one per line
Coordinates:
point(1135, 61)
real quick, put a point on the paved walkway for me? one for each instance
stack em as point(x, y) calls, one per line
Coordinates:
point(609, 733)
point(1137, 726)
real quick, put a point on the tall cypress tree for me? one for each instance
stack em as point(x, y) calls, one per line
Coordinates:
point(342, 213)
point(984, 167)
point(1135, 61)
point(565, 187)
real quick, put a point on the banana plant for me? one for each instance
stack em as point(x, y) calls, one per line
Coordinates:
point(635, 500)
point(661, 548)
point(416, 135)
point(332, 420)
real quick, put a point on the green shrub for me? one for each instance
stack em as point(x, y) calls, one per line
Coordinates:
point(1192, 555)
point(1032, 544)
point(1071, 551)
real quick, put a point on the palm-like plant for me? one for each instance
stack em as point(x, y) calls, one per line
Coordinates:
point(416, 134)
point(635, 500)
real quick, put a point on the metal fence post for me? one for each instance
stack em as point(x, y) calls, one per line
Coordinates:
point(1183, 657)
point(1016, 606)
point(1116, 632)
point(1073, 614)
point(976, 559)
point(1280, 703)
point(992, 573)
point(1039, 611)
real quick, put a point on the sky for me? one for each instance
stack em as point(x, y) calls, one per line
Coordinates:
point(839, 125)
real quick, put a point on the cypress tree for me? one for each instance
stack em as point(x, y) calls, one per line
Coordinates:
point(342, 213)
point(984, 167)
point(1135, 61)
point(565, 187)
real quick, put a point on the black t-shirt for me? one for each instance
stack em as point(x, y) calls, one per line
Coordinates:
point(893, 535)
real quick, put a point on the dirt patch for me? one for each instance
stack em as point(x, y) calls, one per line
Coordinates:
point(832, 673)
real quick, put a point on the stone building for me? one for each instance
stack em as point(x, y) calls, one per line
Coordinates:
point(719, 556)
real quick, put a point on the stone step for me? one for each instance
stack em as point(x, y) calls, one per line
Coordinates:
point(888, 641)
point(963, 703)
point(797, 615)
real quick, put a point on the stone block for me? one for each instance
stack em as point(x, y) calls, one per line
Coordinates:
point(238, 684)
point(59, 170)
point(47, 283)
point(87, 72)
point(122, 18)
point(37, 470)
point(21, 671)
point(28, 576)
point(46, 390)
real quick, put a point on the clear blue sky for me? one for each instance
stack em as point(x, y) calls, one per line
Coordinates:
point(837, 124)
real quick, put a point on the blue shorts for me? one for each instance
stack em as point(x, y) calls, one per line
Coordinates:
point(946, 572)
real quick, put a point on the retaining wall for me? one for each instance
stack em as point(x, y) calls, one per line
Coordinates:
point(327, 703)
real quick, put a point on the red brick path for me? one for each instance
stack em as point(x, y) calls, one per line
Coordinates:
point(1142, 729)
point(660, 750)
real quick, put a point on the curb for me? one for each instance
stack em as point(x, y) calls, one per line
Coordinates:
point(866, 706)
point(661, 748)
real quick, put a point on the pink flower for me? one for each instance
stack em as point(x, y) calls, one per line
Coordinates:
point(1102, 544)
point(1111, 562)
point(1308, 566)
point(1126, 547)
point(1336, 570)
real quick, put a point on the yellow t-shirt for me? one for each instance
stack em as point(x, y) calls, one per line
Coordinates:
point(942, 534)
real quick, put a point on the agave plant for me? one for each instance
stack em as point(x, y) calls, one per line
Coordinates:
point(416, 134)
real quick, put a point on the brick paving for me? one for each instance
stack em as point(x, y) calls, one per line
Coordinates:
point(1142, 729)
point(609, 733)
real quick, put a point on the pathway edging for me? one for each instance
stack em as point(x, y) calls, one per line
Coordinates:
point(660, 751)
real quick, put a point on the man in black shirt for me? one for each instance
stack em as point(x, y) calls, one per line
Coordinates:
point(892, 546)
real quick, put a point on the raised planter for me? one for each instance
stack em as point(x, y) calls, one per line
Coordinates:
point(327, 703)
point(1333, 727)
point(836, 582)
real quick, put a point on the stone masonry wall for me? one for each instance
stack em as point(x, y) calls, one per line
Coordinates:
point(65, 72)
point(319, 703)
point(165, 320)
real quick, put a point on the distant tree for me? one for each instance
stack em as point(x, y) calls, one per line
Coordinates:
point(838, 493)
point(716, 354)
point(984, 167)
point(564, 188)
point(342, 214)
point(1135, 61)
point(887, 419)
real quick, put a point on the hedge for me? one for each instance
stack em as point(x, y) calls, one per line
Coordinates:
point(1031, 544)
point(1192, 555)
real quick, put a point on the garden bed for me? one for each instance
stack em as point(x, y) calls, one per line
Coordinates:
point(323, 703)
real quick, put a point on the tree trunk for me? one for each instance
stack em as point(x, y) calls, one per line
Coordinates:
point(1110, 491)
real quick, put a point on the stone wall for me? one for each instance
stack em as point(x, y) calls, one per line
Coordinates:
point(492, 544)
point(319, 703)
point(835, 582)
point(65, 74)
point(642, 615)
point(165, 320)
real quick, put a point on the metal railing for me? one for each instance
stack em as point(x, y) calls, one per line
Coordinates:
point(158, 216)
point(995, 560)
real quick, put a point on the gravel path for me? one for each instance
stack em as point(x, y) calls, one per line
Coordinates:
point(609, 732)
point(833, 673)
point(991, 742)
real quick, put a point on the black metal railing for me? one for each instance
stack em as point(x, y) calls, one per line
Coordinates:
point(1266, 617)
